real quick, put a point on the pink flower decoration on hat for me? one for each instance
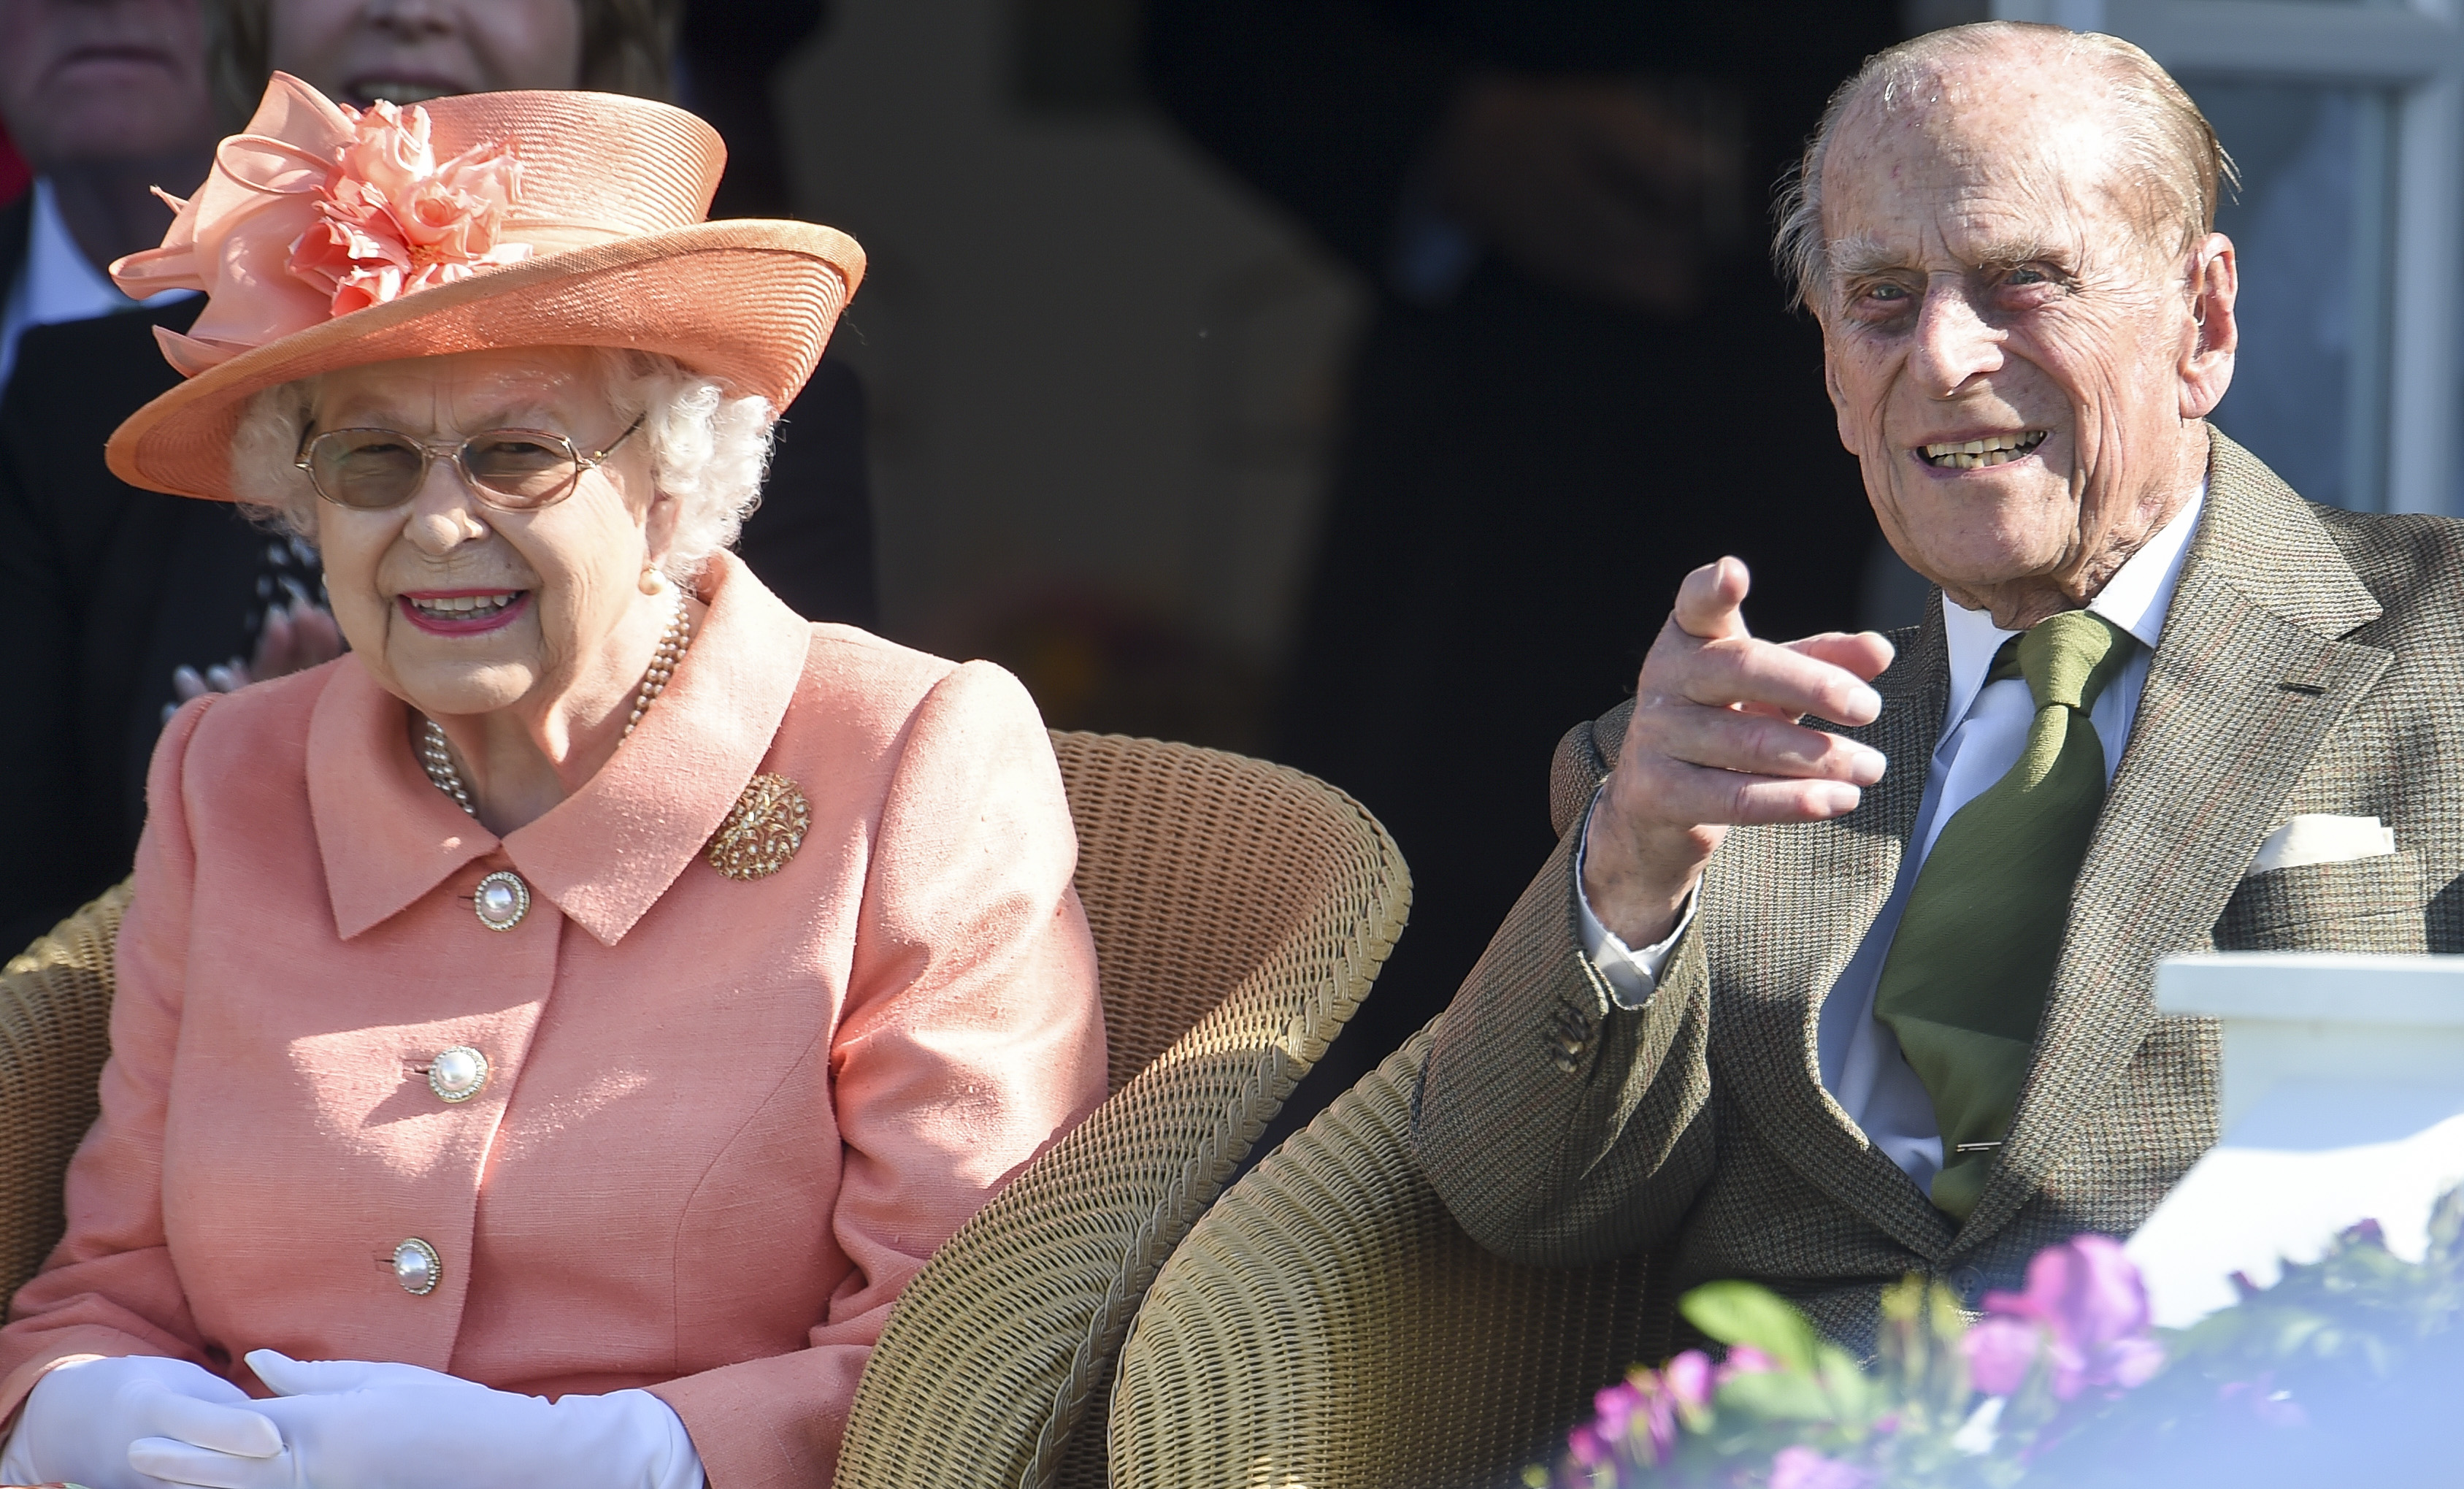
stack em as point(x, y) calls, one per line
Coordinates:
point(391, 220)
point(316, 211)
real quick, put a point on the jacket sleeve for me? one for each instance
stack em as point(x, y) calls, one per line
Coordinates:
point(109, 1288)
point(1558, 1128)
point(1325, 106)
point(973, 1037)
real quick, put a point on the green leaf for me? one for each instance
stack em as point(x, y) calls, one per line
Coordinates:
point(1741, 1313)
point(1775, 1395)
point(1855, 1396)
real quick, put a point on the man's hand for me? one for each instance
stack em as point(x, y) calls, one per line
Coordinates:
point(1715, 741)
point(1602, 185)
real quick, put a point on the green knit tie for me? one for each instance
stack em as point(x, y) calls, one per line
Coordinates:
point(1966, 980)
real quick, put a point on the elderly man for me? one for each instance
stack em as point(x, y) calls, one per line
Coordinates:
point(1842, 967)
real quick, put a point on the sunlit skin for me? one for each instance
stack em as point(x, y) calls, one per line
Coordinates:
point(533, 705)
point(409, 49)
point(1987, 283)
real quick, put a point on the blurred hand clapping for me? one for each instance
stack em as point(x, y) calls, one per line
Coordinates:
point(1609, 187)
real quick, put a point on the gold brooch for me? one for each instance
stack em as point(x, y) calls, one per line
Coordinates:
point(763, 831)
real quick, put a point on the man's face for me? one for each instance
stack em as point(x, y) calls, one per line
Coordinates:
point(88, 82)
point(2015, 362)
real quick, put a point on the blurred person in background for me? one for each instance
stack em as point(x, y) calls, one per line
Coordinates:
point(1557, 202)
point(102, 98)
point(127, 602)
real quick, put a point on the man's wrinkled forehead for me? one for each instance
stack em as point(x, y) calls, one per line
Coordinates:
point(1979, 164)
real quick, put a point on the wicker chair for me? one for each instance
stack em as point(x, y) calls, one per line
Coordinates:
point(1328, 1324)
point(1240, 911)
point(55, 1031)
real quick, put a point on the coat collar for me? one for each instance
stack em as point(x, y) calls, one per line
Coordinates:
point(2251, 674)
point(607, 853)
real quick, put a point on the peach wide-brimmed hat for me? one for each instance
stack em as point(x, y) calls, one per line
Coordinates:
point(326, 237)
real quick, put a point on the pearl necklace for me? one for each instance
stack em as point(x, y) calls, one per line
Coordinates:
point(436, 756)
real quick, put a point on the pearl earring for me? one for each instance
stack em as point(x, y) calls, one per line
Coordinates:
point(653, 581)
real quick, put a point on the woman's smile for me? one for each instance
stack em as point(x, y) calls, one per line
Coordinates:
point(460, 612)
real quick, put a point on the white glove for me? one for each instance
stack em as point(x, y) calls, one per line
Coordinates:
point(80, 1421)
point(351, 1424)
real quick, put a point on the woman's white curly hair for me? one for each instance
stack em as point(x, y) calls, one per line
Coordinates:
point(709, 450)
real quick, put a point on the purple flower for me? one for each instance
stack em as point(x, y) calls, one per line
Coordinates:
point(1587, 1448)
point(1803, 1468)
point(1616, 1405)
point(2000, 1350)
point(1690, 1380)
point(2086, 1298)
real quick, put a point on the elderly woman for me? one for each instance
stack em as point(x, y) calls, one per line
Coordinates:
point(569, 1018)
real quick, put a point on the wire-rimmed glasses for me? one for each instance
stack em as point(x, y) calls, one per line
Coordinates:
point(520, 470)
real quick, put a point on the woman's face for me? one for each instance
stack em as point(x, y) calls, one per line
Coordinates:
point(460, 608)
point(409, 49)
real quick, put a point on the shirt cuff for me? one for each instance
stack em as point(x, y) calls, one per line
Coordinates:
point(1632, 976)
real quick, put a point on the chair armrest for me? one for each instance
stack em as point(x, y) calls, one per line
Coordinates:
point(55, 1034)
point(1328, 1323)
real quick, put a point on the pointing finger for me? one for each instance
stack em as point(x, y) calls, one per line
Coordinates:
point(1709, 602)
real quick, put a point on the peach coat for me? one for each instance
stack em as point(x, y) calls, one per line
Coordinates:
point(725, 1122)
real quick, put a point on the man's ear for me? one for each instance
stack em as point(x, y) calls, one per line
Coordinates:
point(1838, 397)
point(2213, 283)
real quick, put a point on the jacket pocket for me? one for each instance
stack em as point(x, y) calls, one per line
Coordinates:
point(2361, 904)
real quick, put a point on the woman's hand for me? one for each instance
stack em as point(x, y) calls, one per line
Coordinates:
point(81, 1421)
point(379, 1425)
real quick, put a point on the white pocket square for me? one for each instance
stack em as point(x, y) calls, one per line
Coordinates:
point(2323, 837)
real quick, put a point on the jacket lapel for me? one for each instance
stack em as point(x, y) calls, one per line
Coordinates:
point(2247, 679)
point(1811, 893)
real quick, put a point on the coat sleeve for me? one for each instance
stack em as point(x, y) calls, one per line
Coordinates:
point(1558, 1128)
point(973, 1037)
point(109, 1288)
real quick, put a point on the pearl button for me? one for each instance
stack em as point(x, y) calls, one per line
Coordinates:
point(417, 1267)
point(501, 900)
point(457, 1074)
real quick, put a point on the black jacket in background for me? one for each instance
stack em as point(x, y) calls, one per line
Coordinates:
point(106, 590)
point(1527, 473)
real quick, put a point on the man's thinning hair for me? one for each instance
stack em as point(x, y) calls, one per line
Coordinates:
point(2167, 164)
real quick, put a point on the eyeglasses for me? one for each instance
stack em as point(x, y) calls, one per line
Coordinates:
point(520, 470)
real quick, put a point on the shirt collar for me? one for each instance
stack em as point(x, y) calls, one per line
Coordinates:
point(2136, 599)
point(605, 854)
point(62, 283)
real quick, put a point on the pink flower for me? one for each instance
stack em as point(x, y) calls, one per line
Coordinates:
point(1690, 1380)
point(390, 220)
point(1617, 1406)
point(1803, 1468)
point(2084, 1307)
point(1586, 1447)
point(1746, 1360)
point(1999, 1352)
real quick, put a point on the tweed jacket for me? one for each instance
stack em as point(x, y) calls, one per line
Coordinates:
point(2312, 661)
point(724, 1121)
